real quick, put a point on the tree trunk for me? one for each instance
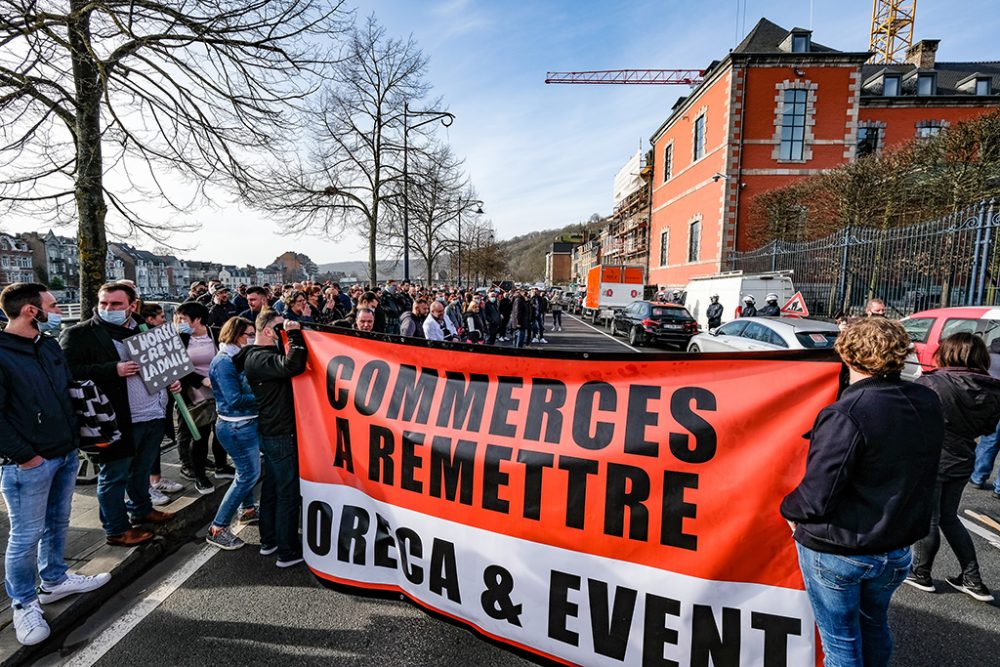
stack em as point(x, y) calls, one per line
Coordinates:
point(91, 208)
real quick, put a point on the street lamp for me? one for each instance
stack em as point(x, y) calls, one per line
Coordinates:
point(479, 211)
point(446, 119)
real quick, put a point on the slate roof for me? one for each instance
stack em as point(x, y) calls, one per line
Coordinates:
point(949, 76)
point(766, 37)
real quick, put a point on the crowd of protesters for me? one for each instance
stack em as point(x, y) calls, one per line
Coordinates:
point(885, 473)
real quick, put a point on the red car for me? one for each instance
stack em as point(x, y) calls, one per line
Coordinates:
point(928, 327)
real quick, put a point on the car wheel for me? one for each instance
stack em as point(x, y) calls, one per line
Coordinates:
point(694, 348)
point(633, 337)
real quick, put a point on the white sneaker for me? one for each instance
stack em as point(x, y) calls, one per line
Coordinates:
point(542, 340)
point(29, 624)
point(168, 486)
point(534, 340)
point(75, 583)
point(157, 497)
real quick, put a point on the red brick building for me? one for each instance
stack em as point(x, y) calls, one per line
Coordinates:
point(777, 108)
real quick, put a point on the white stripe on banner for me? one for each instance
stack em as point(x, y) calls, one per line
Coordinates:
point(585, 609)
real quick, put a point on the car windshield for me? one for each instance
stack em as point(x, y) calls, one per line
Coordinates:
point(816, 340)
point(661, 313)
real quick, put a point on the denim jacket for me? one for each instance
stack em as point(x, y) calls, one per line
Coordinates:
point(233, 396)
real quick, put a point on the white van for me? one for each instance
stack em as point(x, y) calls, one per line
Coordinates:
point(731, 287)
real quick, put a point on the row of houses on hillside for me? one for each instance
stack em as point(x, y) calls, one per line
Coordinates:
point(777, 108)
point(54, 260)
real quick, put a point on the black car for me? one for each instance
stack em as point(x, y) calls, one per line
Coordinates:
point(646, 322)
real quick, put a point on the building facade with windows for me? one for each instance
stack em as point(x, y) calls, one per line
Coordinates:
point(16, 264)
point(778, 108)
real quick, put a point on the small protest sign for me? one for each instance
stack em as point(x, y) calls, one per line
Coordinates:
point(161, 356)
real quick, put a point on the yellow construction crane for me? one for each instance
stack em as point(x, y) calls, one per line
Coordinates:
point(892, 30)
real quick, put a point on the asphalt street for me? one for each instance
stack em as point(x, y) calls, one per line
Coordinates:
point(238, 608)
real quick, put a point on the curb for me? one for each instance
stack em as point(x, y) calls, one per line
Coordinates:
point(125, 566)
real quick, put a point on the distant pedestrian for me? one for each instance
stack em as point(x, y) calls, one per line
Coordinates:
point(970, 398)
point(520, 319)
point(714, 313)
point(555, 305)
point(237, 431)
point(38, 439)
point(772, 309)
point(864, 497)
point(492, 317)
point(270, 375)
point(475, 325)
point(875, 308)
point(989, 445)
point(411, 323)
point(749, 309)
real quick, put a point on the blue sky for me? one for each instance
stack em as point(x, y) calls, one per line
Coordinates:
point(543, 156)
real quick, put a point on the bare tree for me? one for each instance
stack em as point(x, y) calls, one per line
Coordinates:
point(135, 88)
point(351, 175)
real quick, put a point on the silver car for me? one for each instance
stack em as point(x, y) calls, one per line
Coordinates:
point(759, 334)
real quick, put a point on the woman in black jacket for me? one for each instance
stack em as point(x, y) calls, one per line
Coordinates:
point(970, 398)
point(863, 500)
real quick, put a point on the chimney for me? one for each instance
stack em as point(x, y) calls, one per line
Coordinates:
point(922, 53)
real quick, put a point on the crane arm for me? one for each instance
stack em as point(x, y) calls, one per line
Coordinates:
point(691, 77)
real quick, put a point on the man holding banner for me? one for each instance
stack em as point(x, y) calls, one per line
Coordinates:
point(863, 501)
point(270, 375)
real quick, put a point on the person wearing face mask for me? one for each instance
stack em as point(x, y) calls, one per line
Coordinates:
point(38, 440)
point(236, 429)
point(270, 373)
point(491, 315)
point(190, 318)
point(95, 350)
point(454, 316)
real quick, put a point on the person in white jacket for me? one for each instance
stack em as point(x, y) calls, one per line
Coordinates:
point(435, 327)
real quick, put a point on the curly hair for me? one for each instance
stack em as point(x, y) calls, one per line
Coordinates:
point(875, 345)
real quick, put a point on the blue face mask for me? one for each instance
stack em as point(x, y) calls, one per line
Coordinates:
point(53, 323)
point(185, 328)
point(118, 317)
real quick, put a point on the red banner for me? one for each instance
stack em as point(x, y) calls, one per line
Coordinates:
point(594, 509)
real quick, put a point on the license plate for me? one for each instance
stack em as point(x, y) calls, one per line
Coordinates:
point(673, 326)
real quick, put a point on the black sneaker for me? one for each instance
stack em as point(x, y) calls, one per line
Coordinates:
point(204, 486)
point(225, 472)
point(187, 472)
point(974, 590)
point(209, 464)
point(921, 582)
point(979, 485)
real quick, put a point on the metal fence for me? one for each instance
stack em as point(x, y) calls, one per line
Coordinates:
point(954, 261)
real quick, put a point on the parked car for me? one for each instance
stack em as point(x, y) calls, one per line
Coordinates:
point(928, 327)
point(646, 322)
point(758, 334)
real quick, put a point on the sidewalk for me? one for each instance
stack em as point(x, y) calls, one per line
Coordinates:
point(87, 553)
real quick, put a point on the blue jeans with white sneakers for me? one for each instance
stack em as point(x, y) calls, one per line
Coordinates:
point(38, 502)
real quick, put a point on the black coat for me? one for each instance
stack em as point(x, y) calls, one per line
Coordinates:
point(871, 470)
point(520, 313)
point(491, 314)
point(270, 374)
point(714, 314)
point(36, 414)
point(971, 403)
point(91, 354)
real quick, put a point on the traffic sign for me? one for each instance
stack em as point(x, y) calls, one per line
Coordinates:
point(796, 307)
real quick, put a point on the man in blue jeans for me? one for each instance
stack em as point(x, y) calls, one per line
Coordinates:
point(96, 351)
point(38, 436)
point(270, 374)
point(865, 497)
point(989, 445)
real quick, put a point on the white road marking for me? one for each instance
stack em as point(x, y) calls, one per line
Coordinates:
point(605, 333)
point(125, 623)
point(988, 535)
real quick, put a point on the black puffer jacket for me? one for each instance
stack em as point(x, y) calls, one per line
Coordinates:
point(872, 464)
point(971, 403)
point(36, 415)
point(270, 374)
